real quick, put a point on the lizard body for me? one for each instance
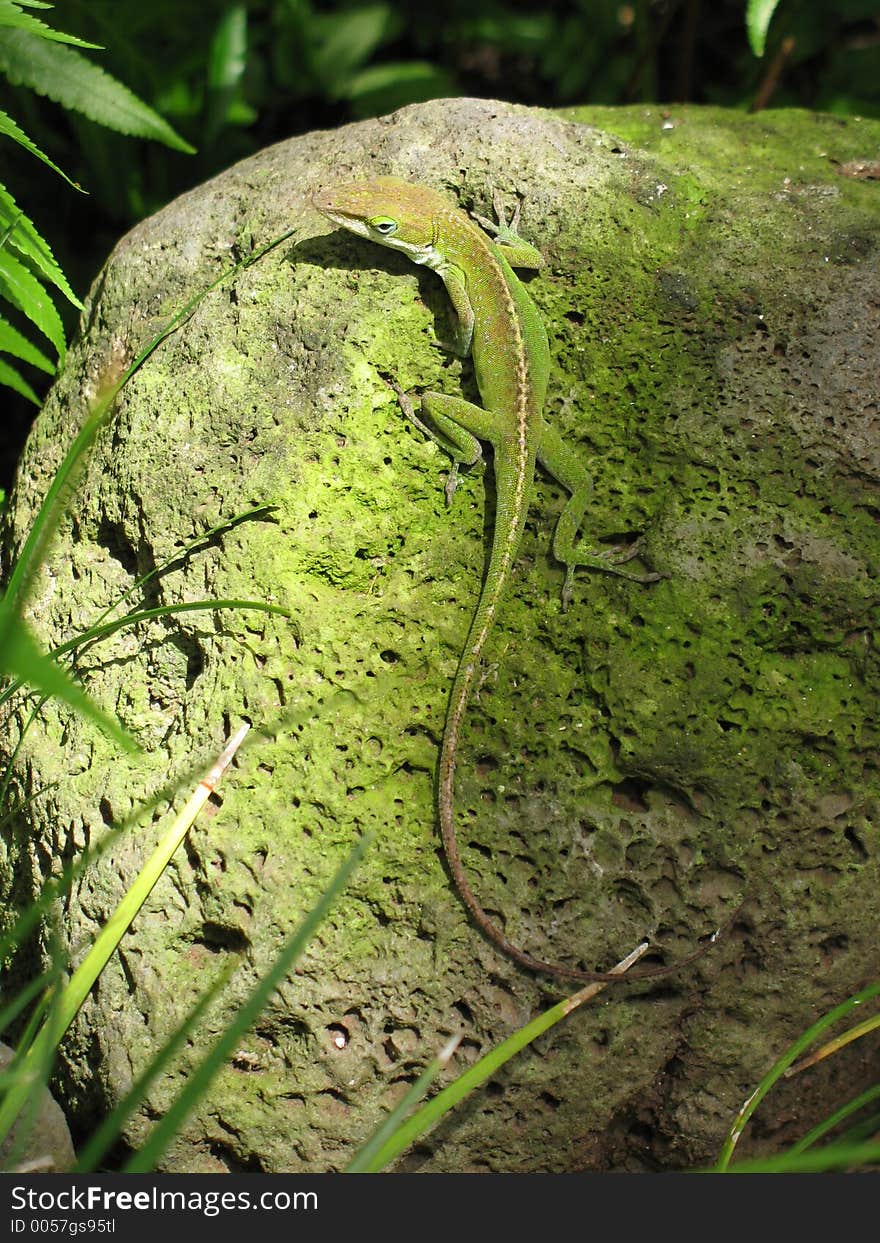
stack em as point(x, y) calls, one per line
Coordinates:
point(499, 325)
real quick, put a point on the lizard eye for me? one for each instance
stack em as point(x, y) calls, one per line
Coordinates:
point(383, 224)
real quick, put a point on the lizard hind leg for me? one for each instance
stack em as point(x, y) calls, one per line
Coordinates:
point(563, 464)
point(605, 560)
point(452, 423)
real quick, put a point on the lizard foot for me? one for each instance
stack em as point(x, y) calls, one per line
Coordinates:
point(608, 561)
point(504, 231)
point(467, 454)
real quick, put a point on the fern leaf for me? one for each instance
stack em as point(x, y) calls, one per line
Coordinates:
point(23, 290)
point(11, 130)
point(13, 342)
point(65, 75)
point(19, 233)
point(12, 16)
point(11, 379)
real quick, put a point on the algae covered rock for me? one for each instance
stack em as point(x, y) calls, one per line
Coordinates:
point(631, 768)
point(38, 1144)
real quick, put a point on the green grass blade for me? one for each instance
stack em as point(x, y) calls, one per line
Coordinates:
point(483, 1069)
point(363, 1159)
point(144, 1160)
point(74, 994)
point(816, 1161)
point(95, 633)
point(180, 555)
point(835, 1045)
point(867, 1128)
point(10, 763)
point(24, 803)
point(47, 517)
point(21, 657)
point(778, 1069)
point(14, 639)
point(834, 1120)
point(111, 1126)
point(58, 886)
point(22, 999)
point(110, 935)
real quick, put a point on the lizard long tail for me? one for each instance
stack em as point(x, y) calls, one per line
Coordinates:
point(504, 549)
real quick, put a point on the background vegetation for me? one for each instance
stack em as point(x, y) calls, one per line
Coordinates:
point(231, 76)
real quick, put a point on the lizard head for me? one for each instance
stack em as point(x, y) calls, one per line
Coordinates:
point(387, 210)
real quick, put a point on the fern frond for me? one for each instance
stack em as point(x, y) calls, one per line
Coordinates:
point(11, 15)
point(23, 290)
point(10, 378)
point(66, 76)
point(12, 342)
point(11, 130)
point(19, 233)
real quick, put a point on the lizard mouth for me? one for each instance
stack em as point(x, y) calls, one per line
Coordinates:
point(323, 202)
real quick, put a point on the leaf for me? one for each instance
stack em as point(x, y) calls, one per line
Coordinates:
point(759, 14)
point(18, 231)
point(12, 16)
point(23, 289)
point(347, 44)
point(13, 342)
point(227, 59)
point(416, 79)
point(228, 51)
point(11, 379)
point(11, 130)
point(66, 76)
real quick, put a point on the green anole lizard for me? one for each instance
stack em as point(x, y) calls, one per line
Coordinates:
point(498, 324)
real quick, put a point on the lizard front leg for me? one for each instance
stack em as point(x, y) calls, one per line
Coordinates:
point(515, 250)
point(564, 465)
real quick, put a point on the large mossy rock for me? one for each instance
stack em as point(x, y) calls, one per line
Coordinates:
point(630, 768)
